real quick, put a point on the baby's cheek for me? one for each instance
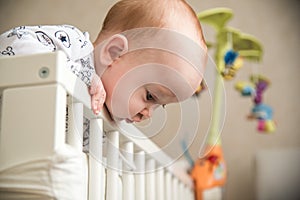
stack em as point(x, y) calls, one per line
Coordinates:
point(134, 108)
point(123, 103)
point(118, 106)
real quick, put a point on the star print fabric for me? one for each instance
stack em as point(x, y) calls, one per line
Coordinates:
point(25, 40)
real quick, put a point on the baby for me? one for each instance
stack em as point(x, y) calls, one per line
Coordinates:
point(148, 53)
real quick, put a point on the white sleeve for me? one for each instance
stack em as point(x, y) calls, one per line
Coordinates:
point(76, 45)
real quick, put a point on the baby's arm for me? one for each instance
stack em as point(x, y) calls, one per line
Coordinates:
point(88, 75)
point(86, 72)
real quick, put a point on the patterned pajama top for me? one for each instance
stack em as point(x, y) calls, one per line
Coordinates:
point(75, 44)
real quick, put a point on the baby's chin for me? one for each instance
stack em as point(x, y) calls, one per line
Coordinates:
point(109, 115)
point(122, 119)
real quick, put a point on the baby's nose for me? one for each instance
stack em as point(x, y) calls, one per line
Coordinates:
point(143, 114)
point(146, 113)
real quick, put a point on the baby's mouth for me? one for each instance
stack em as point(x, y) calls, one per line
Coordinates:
point(129, 121)
point(113, 118)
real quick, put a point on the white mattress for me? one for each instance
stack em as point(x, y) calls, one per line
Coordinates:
point(60, 176)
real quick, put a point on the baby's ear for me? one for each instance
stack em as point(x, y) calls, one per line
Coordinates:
point(113, 48)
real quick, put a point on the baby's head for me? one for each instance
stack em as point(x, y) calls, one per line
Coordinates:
point(149, 53)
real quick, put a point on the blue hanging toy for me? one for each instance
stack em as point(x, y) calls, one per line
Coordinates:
point(233, 62)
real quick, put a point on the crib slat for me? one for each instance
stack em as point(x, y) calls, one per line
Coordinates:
point(112, 174)
point(74, 135)
point(140, 176)
point(168, 185)
point(128, 177)
point(181, 191)
point(160, 184)
point(186, 192)
point(175, 188)
point(120, 192)
point(75, 125)
point(95, 160)
point(190, 193)
point(150, 179)
point(103, 171)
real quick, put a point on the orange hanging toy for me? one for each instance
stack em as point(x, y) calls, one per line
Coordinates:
point(209, 172)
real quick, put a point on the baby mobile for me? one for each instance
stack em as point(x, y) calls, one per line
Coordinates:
point(262, 112)
point(233, 61)
point(231, 49)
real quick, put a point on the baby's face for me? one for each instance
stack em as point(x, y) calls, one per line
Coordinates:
point(146, 99)
point(137, 83)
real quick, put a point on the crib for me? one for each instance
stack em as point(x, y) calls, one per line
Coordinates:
point(42, 158)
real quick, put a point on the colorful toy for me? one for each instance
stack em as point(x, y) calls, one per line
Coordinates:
point(233, 62)
point(245, 88)
point(209, 172)
point(260, 111)
point(264, 114)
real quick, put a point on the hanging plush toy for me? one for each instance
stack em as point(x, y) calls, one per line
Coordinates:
point(264, 114)
point(260, 111)
point(233, 62)
point(209, 172)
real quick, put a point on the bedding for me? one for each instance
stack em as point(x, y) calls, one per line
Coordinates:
point(60, 176)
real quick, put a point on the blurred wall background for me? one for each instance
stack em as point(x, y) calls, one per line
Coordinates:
point(273, 22)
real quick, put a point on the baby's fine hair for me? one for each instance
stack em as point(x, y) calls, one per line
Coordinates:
point(130, 14)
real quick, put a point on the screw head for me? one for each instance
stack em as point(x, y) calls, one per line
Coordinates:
point(44, 72)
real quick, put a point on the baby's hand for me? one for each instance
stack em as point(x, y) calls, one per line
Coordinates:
point(97, 93)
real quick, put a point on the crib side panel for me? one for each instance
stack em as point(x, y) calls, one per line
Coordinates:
point(32, 124)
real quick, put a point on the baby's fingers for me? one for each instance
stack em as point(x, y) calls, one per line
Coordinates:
point(97, 93)
point(98, 100)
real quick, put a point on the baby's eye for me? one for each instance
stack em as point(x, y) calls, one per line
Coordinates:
point(149, 96)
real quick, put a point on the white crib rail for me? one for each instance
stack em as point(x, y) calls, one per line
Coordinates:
point(34, 92)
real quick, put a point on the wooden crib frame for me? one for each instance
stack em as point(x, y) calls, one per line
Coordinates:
point(35, 90)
